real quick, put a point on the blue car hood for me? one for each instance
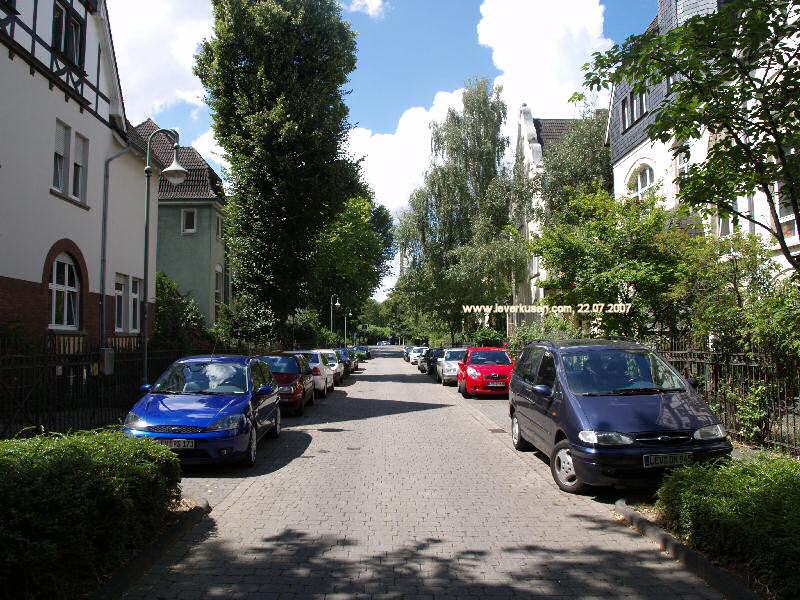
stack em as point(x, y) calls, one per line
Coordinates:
point(647, 412)
point(188, 409)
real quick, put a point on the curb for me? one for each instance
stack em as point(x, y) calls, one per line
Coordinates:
point(724, 582)
point(126, 576)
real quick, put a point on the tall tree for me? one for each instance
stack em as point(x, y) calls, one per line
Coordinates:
point(733, 73)
point(274, 72)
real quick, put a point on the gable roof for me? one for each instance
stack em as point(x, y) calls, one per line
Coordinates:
point(202, 183)
point(550, 131)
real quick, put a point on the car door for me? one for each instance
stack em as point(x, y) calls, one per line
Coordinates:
point(305, 375)
point(258, 401)
point(523, 396)
point(541, 403)
point(271, 401)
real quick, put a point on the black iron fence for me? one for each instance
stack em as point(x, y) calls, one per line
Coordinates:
point(757, 396)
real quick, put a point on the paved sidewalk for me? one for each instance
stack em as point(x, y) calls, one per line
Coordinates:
point(395, 487)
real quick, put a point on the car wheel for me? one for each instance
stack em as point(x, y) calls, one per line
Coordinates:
point(444, 383)
point(313, 398)
point(275, 432)
point(252, 447)
point(464, 391)
point(563, 469)
point(520, 443)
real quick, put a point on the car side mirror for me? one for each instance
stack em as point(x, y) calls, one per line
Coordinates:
point(543, 390)
point(264, 390)
point(146, 388)
point(461, 364)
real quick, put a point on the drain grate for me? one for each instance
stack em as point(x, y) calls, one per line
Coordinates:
point(497, 431)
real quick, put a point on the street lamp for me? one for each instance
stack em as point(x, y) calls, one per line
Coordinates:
point(349, 314)
point(176, 175)
point(332, 305)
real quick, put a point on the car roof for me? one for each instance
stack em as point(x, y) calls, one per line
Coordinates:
point(221, 358)
point(574, 344)
point(450, 349)
point(473, 348)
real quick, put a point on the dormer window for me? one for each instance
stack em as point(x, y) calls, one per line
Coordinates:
point(69, 33)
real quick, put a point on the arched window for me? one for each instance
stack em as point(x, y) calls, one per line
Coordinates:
point(641, 181)
point(65, 288)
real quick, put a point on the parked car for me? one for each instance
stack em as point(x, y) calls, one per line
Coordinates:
point(365, 351)
point(347, 359)
point(609, 413)
point(351, 351)
point(320, 370)
point(406, 352)
point(427, 363)
point(447, 366)
point(416, 352)
point(209, 409)
point(336, 365)
point(484, 371)
point(295, 380)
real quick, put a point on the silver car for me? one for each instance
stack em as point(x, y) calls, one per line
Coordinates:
point(447, 366)
point(335, 363)
point(416, 352)
point(322, 373)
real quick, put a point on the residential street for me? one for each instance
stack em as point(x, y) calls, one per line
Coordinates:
point(393, 487)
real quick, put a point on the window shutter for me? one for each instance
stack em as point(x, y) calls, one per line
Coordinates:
point(80, 151)
point(61, 138)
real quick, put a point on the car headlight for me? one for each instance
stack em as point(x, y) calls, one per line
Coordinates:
point(605, 438)
point(134, 421)
point(473, 373)
point(229, 422)
point(285, 389)
point(711, 432)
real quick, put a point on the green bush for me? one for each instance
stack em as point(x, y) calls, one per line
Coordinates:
point(74, 507)
point(486, 336)
point(361, 356)
point(745, 514)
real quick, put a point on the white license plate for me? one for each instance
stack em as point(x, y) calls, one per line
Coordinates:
point(176, 444)
point(666, 460)
point(496, 384)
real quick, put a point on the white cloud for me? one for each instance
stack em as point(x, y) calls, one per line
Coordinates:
point(155, 43)
point(210, 149)
point(374, 8)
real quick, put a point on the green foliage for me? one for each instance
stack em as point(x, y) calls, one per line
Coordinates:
point(274, 73)
point(735, 76)
point(750, 409)
point(178, 318)
point(551, 326)
point(486, 336)
point(247, 319)
point(75, 507)
point(774, 320)
point(745, 514)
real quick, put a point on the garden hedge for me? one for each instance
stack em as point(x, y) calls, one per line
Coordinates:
point(744, 514)
point(74, 507)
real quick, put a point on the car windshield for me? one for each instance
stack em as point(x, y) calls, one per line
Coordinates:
point(361, 348)
point(282, 364)
point(202, 378)
point(454, 355)
point(438, 352)
point(489, 357)
point(332, 358)
point(612, 372)
point(344, 352)
point(312, 357)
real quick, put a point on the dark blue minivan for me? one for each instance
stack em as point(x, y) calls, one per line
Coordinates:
point(608, 413)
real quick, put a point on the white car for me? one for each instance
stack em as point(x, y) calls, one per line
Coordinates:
point(447, 366)
point(336, 365)
point(416, 352)
point(322, 373)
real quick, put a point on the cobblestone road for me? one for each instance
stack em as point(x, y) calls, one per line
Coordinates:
point(395, 487)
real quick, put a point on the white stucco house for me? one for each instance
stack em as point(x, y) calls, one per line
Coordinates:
point(642, 165)
point(62, 117)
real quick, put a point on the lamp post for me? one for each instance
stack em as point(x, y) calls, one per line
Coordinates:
point(349, 314)
point(176, 175)
point(332, 305)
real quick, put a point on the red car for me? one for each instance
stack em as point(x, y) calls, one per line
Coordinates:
point(484, 371)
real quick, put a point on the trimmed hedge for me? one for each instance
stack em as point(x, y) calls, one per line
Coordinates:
point(745, 514)
point(74, 507)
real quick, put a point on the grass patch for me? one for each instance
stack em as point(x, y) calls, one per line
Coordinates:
point(744, 514)
point(75, 507)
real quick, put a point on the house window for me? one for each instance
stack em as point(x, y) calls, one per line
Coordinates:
point(682, 166)
point(135, 305)
point(751, 211)
point(641, 101)
point(64, 294)
point(218, 287)
point(188, 220)
point(61, 157)
point(634, 107)
point(120, 302)
point(786, 216)
point(69, 33)
point(79, 167)
point(219, 227)
point(624, 114)
point(641, 182)
point(725, 226)
point(670, 83)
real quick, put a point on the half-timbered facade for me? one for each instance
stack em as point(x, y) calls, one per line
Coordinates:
point(62, 117)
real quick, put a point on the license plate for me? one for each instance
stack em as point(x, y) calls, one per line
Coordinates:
point(496, 384)
point(175, 444)
point(666, 460)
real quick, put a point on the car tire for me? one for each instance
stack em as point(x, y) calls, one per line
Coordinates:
point(519, 442)
point(562, 469)
point(313, 399)
point(464, 391)
point(251, 453)
point(275, 432)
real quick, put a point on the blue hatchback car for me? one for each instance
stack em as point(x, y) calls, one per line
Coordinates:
point(209, 409)
point(608, 413)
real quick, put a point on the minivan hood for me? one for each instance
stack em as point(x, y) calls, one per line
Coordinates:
point(188, 409)
point(672, 411)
